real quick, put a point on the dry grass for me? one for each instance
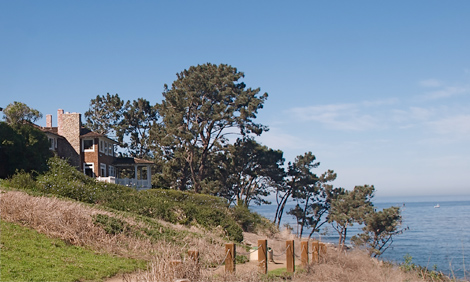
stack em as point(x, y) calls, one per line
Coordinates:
point(73, 223)
point(68, 221)
point(355, 266)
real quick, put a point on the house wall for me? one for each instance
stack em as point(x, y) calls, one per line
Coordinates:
point(69, 125)
point(97, 158)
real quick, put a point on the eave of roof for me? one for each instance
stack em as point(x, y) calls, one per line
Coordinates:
point(131, 161)
point(86, 133)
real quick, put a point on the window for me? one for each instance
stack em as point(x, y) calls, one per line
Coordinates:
point(89, 169)
point(101, 146)
point(111, 149)
point(106, 148)
point(111, 170)
point(52, 144)
point(88, 145)
point(103, 170)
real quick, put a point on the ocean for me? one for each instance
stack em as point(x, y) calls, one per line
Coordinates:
point(437, 238)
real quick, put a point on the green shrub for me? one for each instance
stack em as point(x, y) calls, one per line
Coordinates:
point(251, 221)
point(111, 225)
point(240, 259)
point(423, 272)
point(173, 206)
point(64, 180)
point(22, 180)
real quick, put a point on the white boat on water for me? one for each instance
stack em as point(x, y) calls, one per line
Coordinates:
point(437, 206)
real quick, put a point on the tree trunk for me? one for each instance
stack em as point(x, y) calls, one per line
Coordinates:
point(304, 216)
point(281, 207)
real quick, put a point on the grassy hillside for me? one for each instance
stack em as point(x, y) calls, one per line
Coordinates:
point(172, 206)
point(90, 224)
point(27, 255)
point(87, 235)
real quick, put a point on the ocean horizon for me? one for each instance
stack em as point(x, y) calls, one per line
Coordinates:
point(436, 238)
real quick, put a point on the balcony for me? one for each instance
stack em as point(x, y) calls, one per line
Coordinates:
point(139, 184)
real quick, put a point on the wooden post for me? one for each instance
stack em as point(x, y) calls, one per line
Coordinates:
point(315, 251)
point(230, 257)
point(194, 255)
point(322, 251)
point(290, 258)
point(304, 254)
point(262, 256)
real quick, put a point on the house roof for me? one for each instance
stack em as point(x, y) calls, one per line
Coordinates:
point(86, 133)
point(130, 161)
point(50, 130)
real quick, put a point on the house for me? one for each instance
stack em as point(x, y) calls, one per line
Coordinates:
point(94, 153)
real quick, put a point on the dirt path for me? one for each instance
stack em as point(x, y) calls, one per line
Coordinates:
point(248, 267)
point(276, 244)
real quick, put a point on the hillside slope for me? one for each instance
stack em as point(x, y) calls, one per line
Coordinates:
point(128, 235)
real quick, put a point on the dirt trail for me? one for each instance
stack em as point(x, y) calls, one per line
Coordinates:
point(248, 267)
point(277, 244)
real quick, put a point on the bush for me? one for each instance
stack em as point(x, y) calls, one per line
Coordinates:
point(110, 224)
point(251, 221)
point(22, 180)
point(173, 206)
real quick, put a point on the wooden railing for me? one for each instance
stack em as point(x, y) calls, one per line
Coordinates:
point(130, 182)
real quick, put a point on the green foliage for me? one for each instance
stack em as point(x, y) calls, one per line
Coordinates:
point(422, 272)
point(312, 193)
point(379, 229)
point(22, 147)
point(203, 105)
point(129, 121)
point(170, 205)
point(240, 259)
point(111, 225)
point(247, 220)
point(138, 118)
point(105, 114)
point(66, 181)
point(30, 256)
point(177, 207)
point(349, 207)
point(251, 221)
point(249, 171)
point(18, 112)
point(22, 179)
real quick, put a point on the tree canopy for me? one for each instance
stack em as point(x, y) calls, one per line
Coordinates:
point(251, 170)
point(105, 114)
point(22, 147)
point(202, 107)
point(349, 207)
point(130, 122)
point(18, 112)
point(379, 229)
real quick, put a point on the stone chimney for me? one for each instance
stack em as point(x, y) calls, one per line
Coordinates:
point(69, 125)
point(60, 112)
point(48, 120)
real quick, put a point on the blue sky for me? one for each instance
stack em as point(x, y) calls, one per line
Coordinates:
point(378, 91)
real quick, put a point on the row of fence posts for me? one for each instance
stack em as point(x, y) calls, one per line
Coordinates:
point(318, 250)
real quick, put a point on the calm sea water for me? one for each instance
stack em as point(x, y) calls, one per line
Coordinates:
point(437, 237)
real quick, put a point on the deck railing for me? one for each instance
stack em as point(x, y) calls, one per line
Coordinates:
point(129, 182)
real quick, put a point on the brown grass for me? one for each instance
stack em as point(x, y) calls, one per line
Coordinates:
point(73, 222)
point(356, 266)
point(69, 221)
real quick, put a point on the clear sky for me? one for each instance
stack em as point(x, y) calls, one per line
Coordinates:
point(379, 91)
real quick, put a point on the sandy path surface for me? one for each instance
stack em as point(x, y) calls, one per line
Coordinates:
point(278, 245)
point(251, 266)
